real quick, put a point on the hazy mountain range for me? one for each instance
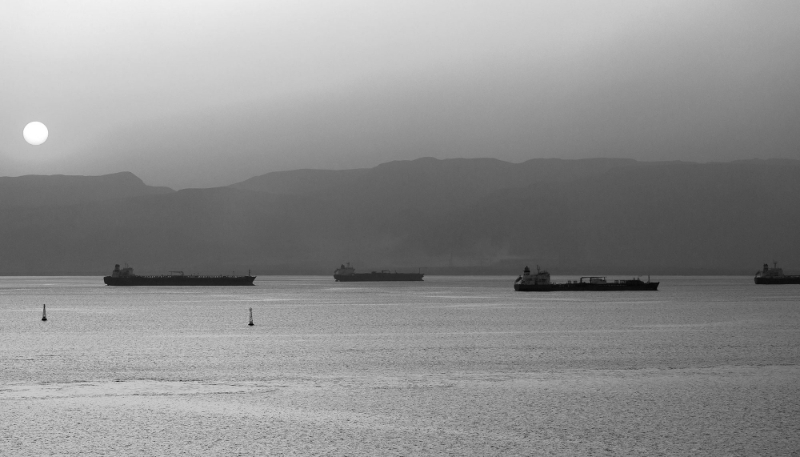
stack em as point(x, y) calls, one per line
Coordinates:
point(595, 216)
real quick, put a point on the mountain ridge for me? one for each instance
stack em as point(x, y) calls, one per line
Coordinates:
point(55, 190)
point(461, 216)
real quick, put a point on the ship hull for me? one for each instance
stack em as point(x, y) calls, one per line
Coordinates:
point(780, 280)
point(361, 277)
point(180, 281)
point(584, 287)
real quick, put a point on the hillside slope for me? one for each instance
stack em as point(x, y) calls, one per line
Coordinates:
point(459, 216)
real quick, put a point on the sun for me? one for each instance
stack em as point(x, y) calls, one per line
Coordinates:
point(35, 133)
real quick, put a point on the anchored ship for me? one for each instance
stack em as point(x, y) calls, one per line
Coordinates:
point(540, 282)
point(775, 275)
point(125, 277)
point(348, 273)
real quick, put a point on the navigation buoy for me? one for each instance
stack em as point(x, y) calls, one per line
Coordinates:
point(251, 318)
point(44, 312)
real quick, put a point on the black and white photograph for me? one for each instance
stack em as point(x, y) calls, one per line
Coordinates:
point(400, 228)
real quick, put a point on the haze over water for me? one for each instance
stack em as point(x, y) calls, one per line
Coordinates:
point(453, 365)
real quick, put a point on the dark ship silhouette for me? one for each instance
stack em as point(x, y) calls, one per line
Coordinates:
point(348, 273)
point(125, 277)
point(775, 275)
point(540, 282)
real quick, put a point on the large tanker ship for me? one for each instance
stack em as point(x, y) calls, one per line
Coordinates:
point(348, 273)
point(540, 282)
point(775, 275)
point(125, 277)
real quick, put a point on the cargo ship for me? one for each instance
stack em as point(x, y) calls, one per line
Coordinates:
point(125, 277)
point(540, 282)
point(775, 275)
point(348, 273)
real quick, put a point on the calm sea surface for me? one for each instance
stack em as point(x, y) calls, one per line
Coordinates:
point(451, 365)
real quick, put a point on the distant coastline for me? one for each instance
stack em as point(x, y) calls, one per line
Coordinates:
point(443, 217)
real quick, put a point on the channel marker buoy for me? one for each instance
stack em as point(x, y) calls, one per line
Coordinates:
point(251, 318)
point(44, 312)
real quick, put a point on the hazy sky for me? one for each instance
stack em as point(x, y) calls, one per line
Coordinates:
point(203, 93)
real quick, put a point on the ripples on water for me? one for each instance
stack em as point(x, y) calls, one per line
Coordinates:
point(453, 365)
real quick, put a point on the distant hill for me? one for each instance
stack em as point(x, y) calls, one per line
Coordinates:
point(56, 190)
point(478, 216)
point(681, 218)
point(425, 182)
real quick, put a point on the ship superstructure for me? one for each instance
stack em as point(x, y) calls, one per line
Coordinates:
point(774, 275)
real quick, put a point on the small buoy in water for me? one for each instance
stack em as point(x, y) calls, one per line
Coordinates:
point(251, 318)
point(44, 312)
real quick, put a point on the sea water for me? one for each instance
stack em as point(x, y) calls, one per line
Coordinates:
point(448, 366)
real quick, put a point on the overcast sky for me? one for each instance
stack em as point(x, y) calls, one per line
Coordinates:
point(206, 93)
